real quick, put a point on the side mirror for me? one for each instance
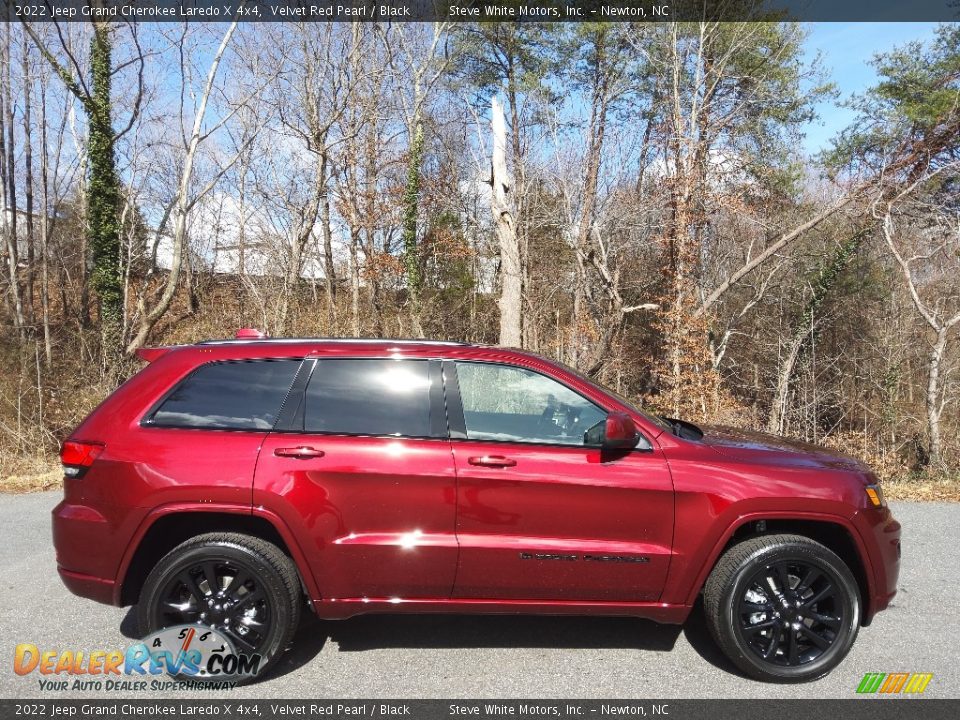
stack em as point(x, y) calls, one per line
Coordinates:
point(620, 432)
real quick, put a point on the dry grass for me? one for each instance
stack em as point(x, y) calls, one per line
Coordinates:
point(924, 489)
point(20, 474)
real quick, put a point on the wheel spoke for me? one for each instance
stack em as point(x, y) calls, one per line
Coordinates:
point(819, 641)
point(792, 655)
point(236, 582)
point(252, 623)
point(191, 584)
point(184, 608)
point(783, 578)
point(831, 622)
point(250, 597)
point(808, 580)
point(751, 629)
point(240, 640)
point(825, 592)
point(210, 573)
point(751, 607)
point(774, 642)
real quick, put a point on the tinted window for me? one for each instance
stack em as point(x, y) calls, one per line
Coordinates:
point(230, 395)
point(369, 397)
point(513, 404)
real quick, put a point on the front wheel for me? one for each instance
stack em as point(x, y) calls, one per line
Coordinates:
point(783, 608)
point(241, 586)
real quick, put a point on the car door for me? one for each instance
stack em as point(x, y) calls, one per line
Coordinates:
point(360, 466)
point(540, 515)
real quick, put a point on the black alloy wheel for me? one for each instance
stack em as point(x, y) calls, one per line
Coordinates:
point(790, 613)
point(783, 608)
point(243, 587)
point(221, 594)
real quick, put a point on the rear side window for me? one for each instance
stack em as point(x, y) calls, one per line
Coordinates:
point(369, 397)
point(243, 395)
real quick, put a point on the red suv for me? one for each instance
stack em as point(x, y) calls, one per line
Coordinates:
point(230, 480)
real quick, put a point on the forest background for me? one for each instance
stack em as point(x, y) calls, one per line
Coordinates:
point(639, 201)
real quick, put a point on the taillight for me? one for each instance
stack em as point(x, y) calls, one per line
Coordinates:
point(77, 457)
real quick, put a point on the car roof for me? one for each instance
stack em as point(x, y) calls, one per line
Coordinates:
point(291, 347)
point(336, 340)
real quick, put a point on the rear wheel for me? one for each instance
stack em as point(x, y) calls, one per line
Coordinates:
point(241, 586)
point(783, 608)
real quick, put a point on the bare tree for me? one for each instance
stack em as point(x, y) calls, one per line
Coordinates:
point(933, 256)
point(184, 200)
point(511, 273)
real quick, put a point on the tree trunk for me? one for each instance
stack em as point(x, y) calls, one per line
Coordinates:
point(103, 196)
point(411, 202)
point(511, 274)
point(328, 270)
point(355, 278)
point(934, 403)
point(370, 230)
point(8, 175)
point(518, 197)
point(45, 234)
point(28, 185)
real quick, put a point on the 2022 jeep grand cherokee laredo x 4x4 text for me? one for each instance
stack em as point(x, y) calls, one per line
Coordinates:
point(228, 480)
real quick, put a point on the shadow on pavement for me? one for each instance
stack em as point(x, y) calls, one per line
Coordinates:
point(697, 633)
point(499, 631)
point(371, 632)
point(308, 641)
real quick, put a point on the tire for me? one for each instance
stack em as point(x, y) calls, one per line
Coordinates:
point(265, 580)
point(761, 628)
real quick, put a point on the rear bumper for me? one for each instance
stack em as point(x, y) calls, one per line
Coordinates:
point(88, 586)
point(87, 551)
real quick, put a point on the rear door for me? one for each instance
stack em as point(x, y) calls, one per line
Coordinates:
point(542, 516)
point(360, 466)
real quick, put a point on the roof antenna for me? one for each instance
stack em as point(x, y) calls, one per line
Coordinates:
point(249, 334)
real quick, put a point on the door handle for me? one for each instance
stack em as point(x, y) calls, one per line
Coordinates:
point(492, 461)
point(303, 452)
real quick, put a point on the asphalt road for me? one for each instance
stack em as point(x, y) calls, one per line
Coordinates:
point(509, 657)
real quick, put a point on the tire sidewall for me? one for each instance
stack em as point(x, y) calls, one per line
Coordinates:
point(825, 561)
point(266, 576)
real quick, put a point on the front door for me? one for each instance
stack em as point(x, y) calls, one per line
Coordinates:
point(540, 515)
point(364, 473)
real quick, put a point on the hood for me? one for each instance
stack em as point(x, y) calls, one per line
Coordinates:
point(748, 445)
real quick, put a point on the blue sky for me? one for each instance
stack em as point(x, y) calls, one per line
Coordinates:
point(847, 49)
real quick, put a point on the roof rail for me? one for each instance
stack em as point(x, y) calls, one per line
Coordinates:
point(343, 340)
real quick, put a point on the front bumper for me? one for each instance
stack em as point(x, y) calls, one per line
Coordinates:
point(881, 533)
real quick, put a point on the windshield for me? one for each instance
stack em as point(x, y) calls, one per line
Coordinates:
point(632, 404)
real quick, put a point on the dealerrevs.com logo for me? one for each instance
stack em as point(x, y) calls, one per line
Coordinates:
point(895, 683)
point(196, 657)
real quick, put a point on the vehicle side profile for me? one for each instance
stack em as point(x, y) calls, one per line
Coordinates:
point(230, 483)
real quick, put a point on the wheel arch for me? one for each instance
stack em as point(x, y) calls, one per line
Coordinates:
point(833, 532)
point(169, 526)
